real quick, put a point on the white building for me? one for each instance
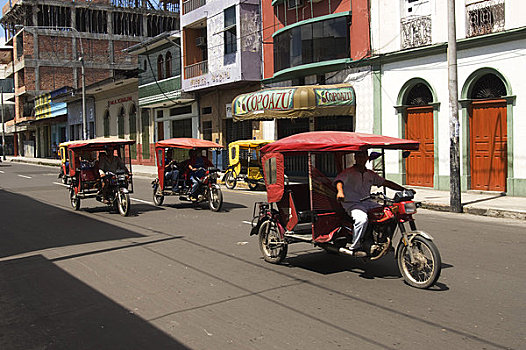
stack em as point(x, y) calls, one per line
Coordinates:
point(409, 38)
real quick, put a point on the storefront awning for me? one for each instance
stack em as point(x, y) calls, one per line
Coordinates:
point(295, 102)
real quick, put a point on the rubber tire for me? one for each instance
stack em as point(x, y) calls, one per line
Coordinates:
point(157, 199)
point(230, 180)
point(123, 203)
point(252, 185)
point(281, 251)
point(215, 205)
point(74, 200)
point(437, 263)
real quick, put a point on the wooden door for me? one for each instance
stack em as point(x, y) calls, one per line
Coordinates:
point(420, 165)
point(160, 131)
point(488, 145)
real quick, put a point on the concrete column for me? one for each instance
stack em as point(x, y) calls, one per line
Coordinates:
point(74, 47)
point(110, 33)
point(36, 51)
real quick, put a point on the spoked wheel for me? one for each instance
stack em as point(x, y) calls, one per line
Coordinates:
point(123, 203)
point(272, 246)
point(74, 199)
point(157, 198)
point(252, 185)
point(215, 198)
point(230, 180)
point(425, 269)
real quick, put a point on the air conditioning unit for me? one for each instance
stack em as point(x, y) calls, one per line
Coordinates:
point(200, 41)
point(292, 4)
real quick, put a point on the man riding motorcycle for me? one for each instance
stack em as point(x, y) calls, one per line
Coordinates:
point(108, 162)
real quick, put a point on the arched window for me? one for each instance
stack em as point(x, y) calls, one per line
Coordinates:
point(120, 123)
point(168, 64)
point(160, 67)
point(145, 65)
point(488, 86)
point(419, 95)
point(106, 124)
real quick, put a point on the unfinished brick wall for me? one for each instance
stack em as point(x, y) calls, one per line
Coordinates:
point(28, 45)
point(52, 78)
point(53, 48)
point(122, 57)
point(95, 75)
point(96, 50)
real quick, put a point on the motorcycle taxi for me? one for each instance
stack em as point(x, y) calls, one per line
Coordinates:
point(178, 149)
point(309, 212)
point(64, 161)
point(245, 163)
point(84, 173)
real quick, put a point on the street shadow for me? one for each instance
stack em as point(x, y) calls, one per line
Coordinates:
point(485, 199)
point(28, 225)
point(228, 206)
point(44, 307)
point(324, 263)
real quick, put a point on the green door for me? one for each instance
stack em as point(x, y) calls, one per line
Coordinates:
point(145, 123)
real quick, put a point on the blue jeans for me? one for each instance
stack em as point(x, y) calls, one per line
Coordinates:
point(194, 177)
point(172, 176)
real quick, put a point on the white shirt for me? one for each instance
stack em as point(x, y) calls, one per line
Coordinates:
point(357, 185)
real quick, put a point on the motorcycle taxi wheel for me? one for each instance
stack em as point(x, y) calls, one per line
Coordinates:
point(74, 200)
point(215, 198)
point(123, 203)
point(157, 198)
point(424, 271)
point(230, 180)
point(272, 246)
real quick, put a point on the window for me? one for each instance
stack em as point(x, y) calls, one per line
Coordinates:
point(160, 64)
point(230, 30)
point(295, 3)
point(182, 128)
point(311, 43)
point(145, 65)
point(107, 124)
point(168, 64)
point(206, 110)
point(180, 110)
point(207, 130)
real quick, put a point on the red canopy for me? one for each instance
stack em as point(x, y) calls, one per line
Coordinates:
point(100, 143)
point(336, 141)
point(187, 143)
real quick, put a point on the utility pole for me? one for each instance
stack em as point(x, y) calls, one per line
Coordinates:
point(454, 126)
point(84, 117)
point(3, 123)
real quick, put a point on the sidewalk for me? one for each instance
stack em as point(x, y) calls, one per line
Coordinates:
point(486, 204)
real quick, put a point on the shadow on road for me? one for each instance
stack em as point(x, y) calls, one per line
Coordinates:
point(28, 225)
point(44, 307)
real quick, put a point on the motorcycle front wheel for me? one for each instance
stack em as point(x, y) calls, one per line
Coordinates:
point(425, 268)
point(75, 201)
point(252, 185)
point(157, 198)
point(273, 248)
point(123, 203)
point(215, 198)
point(230, 180)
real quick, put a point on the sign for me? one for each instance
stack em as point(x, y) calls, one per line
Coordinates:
point(343, 96)
point(274, 99)
point(119, 100)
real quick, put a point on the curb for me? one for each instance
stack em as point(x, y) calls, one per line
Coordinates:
point(37, 162)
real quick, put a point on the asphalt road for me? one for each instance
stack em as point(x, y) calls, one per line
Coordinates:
point(176, 277)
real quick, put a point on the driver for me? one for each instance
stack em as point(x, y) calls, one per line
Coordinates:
point(353, 184)
point(196, 164)
point(108, 162)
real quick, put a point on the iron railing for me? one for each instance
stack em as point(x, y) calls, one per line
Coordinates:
point(191, 5)
point(484, 17)
point(196, 69)
point(416, 31)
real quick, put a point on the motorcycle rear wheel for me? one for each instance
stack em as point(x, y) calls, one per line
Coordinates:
point(272, 246)
point(252, 185)
point(123, 203)
point(230, 180)
point(157, 198)
point(74, 199)
point(425, 270)
point(215, 198)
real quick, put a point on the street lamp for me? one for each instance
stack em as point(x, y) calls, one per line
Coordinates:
point(83, 76)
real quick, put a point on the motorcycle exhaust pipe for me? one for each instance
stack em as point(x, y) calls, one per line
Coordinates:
point(345, 251)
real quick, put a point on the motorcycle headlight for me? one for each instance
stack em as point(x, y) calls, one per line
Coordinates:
point(122, 177)
point(410, 207)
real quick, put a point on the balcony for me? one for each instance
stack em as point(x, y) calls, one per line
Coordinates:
point(191, 5)
point(484, 17)
point(416, 31)
point(195, 70)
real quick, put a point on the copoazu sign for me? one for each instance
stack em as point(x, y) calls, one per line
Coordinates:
point(275, 99)
point(335, 96)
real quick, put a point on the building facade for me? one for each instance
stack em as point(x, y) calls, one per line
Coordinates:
point(54, 42)
point(221, 45)
point(410, 47)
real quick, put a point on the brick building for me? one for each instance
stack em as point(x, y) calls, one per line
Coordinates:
point(49, 37)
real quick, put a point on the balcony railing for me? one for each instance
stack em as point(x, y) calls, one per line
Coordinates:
point(191, 5)
point(484, 17)
point(195, 70)
point(416, 32)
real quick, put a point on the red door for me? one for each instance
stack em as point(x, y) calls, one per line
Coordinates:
point(420, 165)
point(488, 145)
